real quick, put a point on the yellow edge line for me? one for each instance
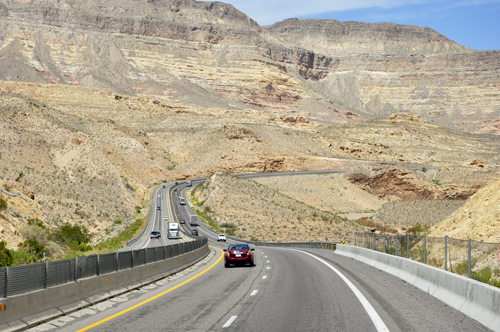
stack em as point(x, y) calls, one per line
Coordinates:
point(152, 298)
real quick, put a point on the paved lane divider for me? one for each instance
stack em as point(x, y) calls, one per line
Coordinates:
point(377, 321)
point(154, 297)
point(230, 321)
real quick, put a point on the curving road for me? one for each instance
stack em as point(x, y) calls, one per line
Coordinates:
point(288, 290)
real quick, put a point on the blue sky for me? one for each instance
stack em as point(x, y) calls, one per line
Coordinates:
point(472, 23)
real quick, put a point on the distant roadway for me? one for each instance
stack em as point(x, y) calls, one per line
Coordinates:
point(288, 290)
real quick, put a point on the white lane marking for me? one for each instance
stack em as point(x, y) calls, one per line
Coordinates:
point(254, 292)
point(265, 256)
point(268, 267)
point(264, 277)
point(230, 321)
point(268, 261)
point(377, 321)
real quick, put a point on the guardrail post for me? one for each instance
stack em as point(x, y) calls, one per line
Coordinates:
point(446, 252)
point(425, 247)
point(468, 256)
point(408, 246)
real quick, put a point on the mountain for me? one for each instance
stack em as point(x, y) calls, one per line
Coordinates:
point(102, 101)
point(324, 69)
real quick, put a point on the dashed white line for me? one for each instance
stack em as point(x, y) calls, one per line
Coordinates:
point(230, 321)
point(254, 292)
point(268, 268)
point(377, 321)
point(267, 261)
point(264, 277)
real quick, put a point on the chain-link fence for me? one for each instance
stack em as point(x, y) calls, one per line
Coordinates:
point(16, 280)
point(473, 259)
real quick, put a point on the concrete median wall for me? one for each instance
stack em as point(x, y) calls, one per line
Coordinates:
point(477, 300)
point(28, 309)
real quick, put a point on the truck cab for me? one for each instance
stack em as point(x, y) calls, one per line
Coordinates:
point(173, 230)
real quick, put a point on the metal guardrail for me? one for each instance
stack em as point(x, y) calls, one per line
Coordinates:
point(464, 257)
point(17, 280)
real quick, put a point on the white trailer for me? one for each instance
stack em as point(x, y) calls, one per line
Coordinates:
point(173, 230)
point(193, 220)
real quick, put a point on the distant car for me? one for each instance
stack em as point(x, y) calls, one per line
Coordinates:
point(221, 237)
point(155, 234)
point(165, 218)
point(183, 221)
point(163, 186)
point(239, 254)
point(159, 195)
point(158, 208)
point(175, 189)
point(194, 232)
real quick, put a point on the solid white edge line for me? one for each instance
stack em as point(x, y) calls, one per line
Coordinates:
point(254, 293)
point(230, 321)
point(377, 321)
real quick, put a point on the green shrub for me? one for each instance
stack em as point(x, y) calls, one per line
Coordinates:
point(3, 203)
point(71, 235)
point(482, 275)
point(6, 258)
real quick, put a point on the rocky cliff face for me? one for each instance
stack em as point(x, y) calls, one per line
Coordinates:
point(157, 47)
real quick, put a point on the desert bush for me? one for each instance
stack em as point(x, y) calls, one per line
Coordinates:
point(6, 258)
point(482, 275)
point(71, 235)
point(3, 203)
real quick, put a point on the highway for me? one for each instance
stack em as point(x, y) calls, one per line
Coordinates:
point(288, 290)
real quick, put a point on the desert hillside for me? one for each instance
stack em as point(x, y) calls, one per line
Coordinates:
point(248, 210)
point(478, 219)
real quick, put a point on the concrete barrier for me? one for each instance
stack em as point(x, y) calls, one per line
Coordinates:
point(475, 299)
point(22, 311)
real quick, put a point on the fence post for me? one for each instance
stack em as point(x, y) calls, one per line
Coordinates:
point(6, 280)
point(384, 242)
point(425, 247)
point(132, 258)
point(446, 252)
point(145, 256)
point(97, 267)
point(156, 253)
point(373, 237)
point(356, 239)
point(76, 268)
point(396, 245)
point(46, 274)
point(408, 246)
point(469, 258)
point(117, 262)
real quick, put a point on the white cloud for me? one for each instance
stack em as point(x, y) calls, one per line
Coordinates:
point(270, 11)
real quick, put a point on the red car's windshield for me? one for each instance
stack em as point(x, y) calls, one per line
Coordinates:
point(238, 247)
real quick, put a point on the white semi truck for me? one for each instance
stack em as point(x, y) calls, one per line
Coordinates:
point(173, 230)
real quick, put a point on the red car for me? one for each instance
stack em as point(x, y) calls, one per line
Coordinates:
point(239, 254)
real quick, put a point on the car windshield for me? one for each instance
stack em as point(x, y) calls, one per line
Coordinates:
point(238, 247)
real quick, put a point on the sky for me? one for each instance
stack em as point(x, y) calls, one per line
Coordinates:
point(471, 23)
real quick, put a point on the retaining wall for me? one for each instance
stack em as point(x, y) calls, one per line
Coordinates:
point(477, 300)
